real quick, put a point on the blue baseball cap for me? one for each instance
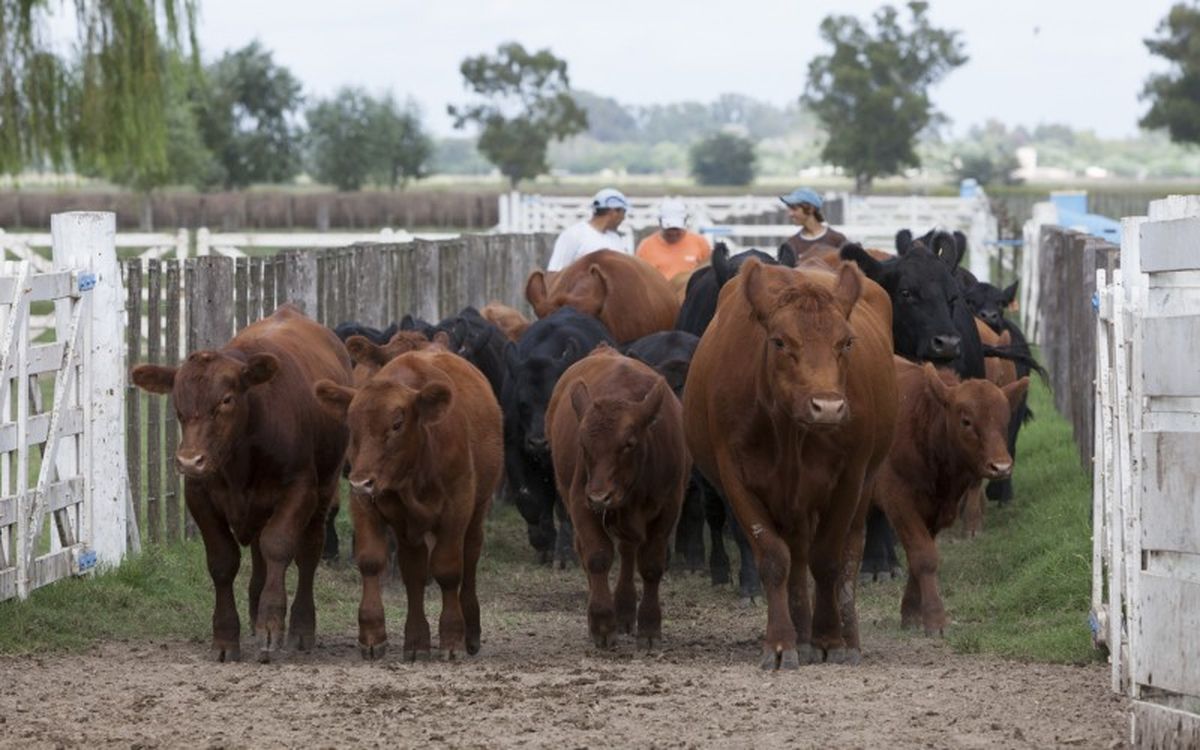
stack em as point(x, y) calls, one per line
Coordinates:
point(610, 198)
point(802, 195)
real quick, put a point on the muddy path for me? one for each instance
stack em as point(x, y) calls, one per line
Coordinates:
point(539, 683)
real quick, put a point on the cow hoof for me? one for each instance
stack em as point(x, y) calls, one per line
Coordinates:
point(472, 646)
point(412, 654)
point(605, 641)
point(625, 628)
point(373, 652)
point(226, 654)
point(806, 654)
point(449, 654)
point(833, 655)
point(775, 659)
point(746, 602)
point(935, 632)
point(301, 641)
point(648, 642)
point(268, 648)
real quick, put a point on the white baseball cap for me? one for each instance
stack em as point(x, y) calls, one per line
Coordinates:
point(672, 214)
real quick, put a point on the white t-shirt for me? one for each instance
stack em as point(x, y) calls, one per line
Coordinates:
point(582, 238)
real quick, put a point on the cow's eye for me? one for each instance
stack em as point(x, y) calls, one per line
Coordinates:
point(777, 343)
point(227, 400)
point(965, 420)
point(398, 424)
point(906, 294)
point(630, 444)
point(846, 344)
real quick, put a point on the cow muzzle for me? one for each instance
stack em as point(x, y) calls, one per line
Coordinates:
point(600, 500)
point(192, 464)
point(826, 409)
point(999, 469)
point(363, 486)
point(945, 347)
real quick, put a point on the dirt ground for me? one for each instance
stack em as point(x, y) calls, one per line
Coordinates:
point(538, 682)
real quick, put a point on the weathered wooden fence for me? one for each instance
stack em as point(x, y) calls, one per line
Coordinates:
point(1146, 495)
point(1063, 268)
point(175, 306)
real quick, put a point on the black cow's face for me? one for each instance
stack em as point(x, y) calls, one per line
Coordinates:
point(988, 303)
point(923, 293)
point(532, 383)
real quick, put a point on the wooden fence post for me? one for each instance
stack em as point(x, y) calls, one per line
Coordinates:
point(366, 273)
point(426, 302)
point(300, 281)
point(86, 241)
point(209, 302)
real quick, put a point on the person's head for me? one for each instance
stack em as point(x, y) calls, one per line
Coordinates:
point(803, 204)
point(608, 208)
point(672, 218)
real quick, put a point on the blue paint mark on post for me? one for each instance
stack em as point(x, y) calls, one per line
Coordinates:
point(87, 281)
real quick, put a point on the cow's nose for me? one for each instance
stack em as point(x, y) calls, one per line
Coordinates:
point(365, 486)
point(999, 469)
point(600, 499)
point(536, 443)
point(946, 346)
point(827, 410)
point(191, 463)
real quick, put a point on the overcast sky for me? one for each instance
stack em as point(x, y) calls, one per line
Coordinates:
point(1031, 61)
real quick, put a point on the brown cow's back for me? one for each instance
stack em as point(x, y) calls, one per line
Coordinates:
point(634, 299)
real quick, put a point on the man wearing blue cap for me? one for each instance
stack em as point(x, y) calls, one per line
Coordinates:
point(804, 206)
point(597, 233)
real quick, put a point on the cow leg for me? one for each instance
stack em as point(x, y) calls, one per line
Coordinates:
point(828, 553)
point(652, 563)
point(799, 604)
point(370, 555)
point(447, 559)
point(565, 536)
point(302, 622)
point(879, 551)
point(921, 597)
point(280, 539)
point(848, 579)
point(749, 584)
point(626, 594)
point(223, 557)
point(774, 562)
point(595, 551)
point(472, 546)
point(414, 570)
point(714, 512)
point(689, 533)
point(329, 552)
point(258, 577)
point(972, 513)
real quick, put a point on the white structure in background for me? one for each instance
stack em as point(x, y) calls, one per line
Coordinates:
point(74, 514)
point(1146, 501)
point(235, 244)
point(871, 220)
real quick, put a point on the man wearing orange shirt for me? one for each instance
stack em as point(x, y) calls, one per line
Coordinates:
point(673, 249)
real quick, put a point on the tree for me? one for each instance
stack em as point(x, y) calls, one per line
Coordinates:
point(871, 92)
point(339, 133)
point(723, 159)
point(117, 88)
point(1175, 95)
point(248, 112)
point(526, 104)
point(400, 147)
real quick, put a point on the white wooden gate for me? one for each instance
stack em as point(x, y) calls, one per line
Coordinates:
point(1146, 559)
point(63, 494)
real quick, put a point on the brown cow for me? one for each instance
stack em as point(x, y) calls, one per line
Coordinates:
point(791, 436)
point(628, 295)
point(368, 357)
point(1001, 372)
point(621, 465)
point(949, 435)
point(426, 452)
point(509, 320)
point(261, 461)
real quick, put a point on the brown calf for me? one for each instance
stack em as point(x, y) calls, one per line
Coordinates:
point(261, 461)
point(1001, 372)
point(789, 407)
point(620, 463)
point(628, 295)
point(949, 435)
point(426, 456)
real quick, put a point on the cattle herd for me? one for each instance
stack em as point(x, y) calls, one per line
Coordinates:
point(817, 406)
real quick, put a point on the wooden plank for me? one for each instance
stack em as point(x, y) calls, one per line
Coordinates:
point(1171, 493)
point(8, 584)
point(426, 302)
point(452, 276)
point(59, 495)
point(299, 285)
point(1173, 345)
point(133, 394)
point(154, 457)
point(171, 425)
point(402, 280)
point(241, 282)
point(53, 567)
point(1167, 625)
point(1170, 245)
point(368, 283)
point(268, 287)
point(345, 301)
point(42, 358)
point(1156, 726)
point(209, 302)
point(42, 286)
point(323, 289)
point(37, 429)
point(255, 309)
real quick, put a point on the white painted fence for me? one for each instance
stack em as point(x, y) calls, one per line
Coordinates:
point(65, 509)
point(1146, 511)
point(871, 220)
point(235, 244)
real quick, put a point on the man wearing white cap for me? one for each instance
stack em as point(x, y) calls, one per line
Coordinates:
point(673, 249)
point(597, 233)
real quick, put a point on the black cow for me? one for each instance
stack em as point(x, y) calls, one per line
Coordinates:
point(477, 340)
point(376, 336)
point(700, 298)
point(533, 367)
point(670, 354)
point(412, 323)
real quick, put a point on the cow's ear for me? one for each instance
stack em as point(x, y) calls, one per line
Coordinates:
point(581, 399)
point(853, 251)
point(589, 296)
point(571, 351)
point(946, 249)
point(937, 386)
point(259, 369)
point(333, 397)
point(1014, 392)
point(756, 289)
point(848, 288)
point(652, 402)
point(442, 339)
point(408, 322)
point(786, 255)
point(365, 353)
point(960, 246)
point(154, 378)
point(720, 264)
point(904, 241)
point(537, 294)
point(433, 402)
point(1009, 294)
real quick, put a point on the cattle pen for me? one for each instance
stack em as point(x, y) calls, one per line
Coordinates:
point(535, 683)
